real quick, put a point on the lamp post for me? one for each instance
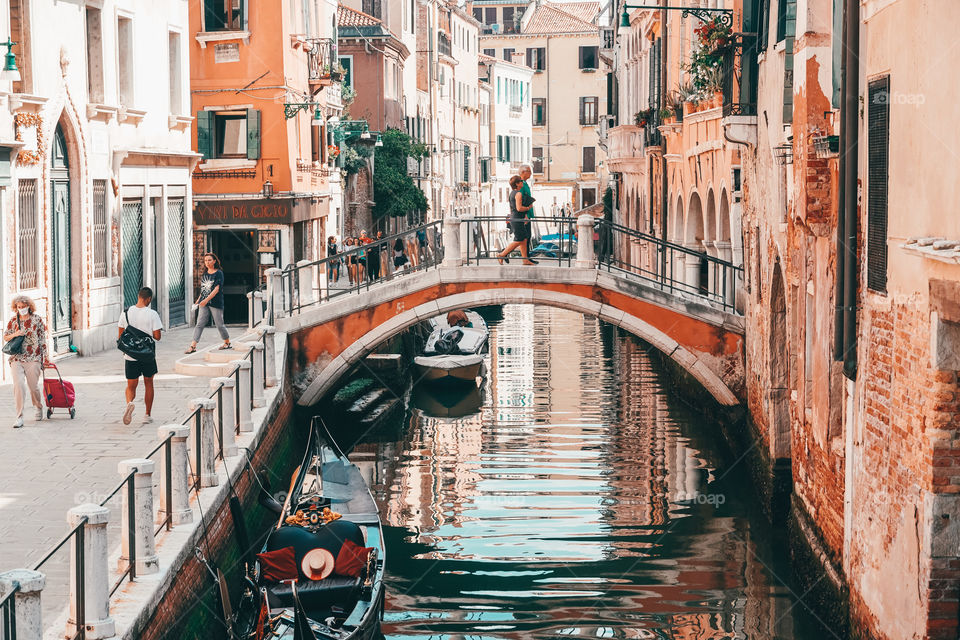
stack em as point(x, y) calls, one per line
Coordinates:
point(10, 71)
point(723, 16)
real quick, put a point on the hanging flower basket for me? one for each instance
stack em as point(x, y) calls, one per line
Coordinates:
point(333, 150)
point(826, 146)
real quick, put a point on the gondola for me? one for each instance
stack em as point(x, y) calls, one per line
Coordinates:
point(453, 353)
point(328, 505)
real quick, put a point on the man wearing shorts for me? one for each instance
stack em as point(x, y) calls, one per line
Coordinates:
point(142, 317)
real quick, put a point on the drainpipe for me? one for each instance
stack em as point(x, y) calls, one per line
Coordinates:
point(663, 145)
point(848, 268)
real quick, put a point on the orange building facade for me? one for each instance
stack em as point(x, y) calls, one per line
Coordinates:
point(263, 83)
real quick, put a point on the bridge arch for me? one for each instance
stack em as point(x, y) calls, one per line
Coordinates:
point(325, 375)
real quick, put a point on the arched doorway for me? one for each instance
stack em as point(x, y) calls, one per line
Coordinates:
point(695, 267)
point(725, 246)
point(714, 277)
point(778, 407)
point(61, 292)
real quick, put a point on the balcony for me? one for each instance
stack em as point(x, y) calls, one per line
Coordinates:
point(443, 44)
point(322, 64)
point(739, 69)
point(624, 145)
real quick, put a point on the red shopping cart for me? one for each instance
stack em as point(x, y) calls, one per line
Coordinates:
point(59, 393)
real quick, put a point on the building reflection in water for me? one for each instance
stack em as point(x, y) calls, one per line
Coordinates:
point(574, 503)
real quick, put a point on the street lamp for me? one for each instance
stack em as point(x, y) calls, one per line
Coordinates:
point(379, 142)
point(10, 71)
point(724, 16)
point(317, 117)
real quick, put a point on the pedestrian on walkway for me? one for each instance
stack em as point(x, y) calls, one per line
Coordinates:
point(142, 317)
point(211, 302)
point(373, 258)
point(400, 260)
point(349, 244)
point(525, 173)
point(333, 266)
point(27, 365)
point(519, 223)
point(362, 242)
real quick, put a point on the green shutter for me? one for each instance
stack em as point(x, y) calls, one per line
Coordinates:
point(205, 133)
point(253, 134)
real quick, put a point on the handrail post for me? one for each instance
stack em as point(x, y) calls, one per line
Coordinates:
point(274, 294)
point(144, 550)
point(228, 416)
point(269, 356)
point(257, 307)
point(175, 480)
point(586, 256)
point(305, 271)
point(89, 577)
point(250, 323)
point(451, 242)
point(205, 447)
point(257, 372)
point(27, 619)
point(243, 404)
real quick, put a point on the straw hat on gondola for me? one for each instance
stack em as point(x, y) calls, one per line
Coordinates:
point(317, 564)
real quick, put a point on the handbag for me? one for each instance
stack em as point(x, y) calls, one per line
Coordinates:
point(13, 346)
point(135, 343)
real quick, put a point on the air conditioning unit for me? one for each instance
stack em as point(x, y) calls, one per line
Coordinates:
point(495, 27)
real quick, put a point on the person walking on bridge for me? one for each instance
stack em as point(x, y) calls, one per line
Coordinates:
point(519, 224)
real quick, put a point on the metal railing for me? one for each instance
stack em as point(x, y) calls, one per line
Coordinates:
point(739, 75)
point(672, 267)
point(355, 270)
point(552, 238)
point(8, 613)
point(322, 60)
point(79, 617)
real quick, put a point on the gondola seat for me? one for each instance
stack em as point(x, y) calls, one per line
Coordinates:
point(316, 594)
point(330, 537)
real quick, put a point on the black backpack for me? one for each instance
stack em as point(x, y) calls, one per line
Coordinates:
point(137, 344)
point(448, 342)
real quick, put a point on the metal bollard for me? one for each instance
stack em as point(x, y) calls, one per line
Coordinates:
point(451, 242)
point(257, 371)
point(95, 588)
point(206, 444)
point(586, 257)
point(179, 476)
point(270, 353)
point(306, 282)
point(28, 620)
point(244, 407)
point(228, 415)
point(145, 549)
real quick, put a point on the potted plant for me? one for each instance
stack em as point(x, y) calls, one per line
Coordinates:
point(666, 113)
point(675, 103)
point(641, 117)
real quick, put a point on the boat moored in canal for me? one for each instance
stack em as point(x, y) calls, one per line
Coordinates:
point(454, 353)
point(320, 572)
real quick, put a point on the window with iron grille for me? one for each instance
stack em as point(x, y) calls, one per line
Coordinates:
point(878, 142)
point(27, 262)
point(466, 163)
point(588, 110)
point(100, 239)
point(539, 112)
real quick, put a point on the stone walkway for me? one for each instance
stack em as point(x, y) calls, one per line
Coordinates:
point(47, 467)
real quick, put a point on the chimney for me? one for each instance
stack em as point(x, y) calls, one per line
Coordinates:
point(519, 57)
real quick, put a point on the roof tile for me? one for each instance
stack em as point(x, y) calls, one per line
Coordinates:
point(347, 17)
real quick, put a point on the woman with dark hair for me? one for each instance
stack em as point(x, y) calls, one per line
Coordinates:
point(210, 301)
point(519, 223)
point(27, 363)
point(333, 266)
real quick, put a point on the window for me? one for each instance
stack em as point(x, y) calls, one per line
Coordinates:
point(94, 56)
point(100, 239)
point(763, 28)
point(508, 54)
point(176, 78)
point(588, 196)
point(537, 160)
point(484, 169)
point(588, 110)
point(509, 26)
point(466, 163)
point(224, 15)
point(229, 134)
point(490, 52)
point(499, 148)
point(478, 14)
point(782, 19)
point(537, 58)
point(347, 63)
point(539, 112)
point(589, 160)
point(27, 262)
point(878, 140)
point(125, 61)
point(589, 58)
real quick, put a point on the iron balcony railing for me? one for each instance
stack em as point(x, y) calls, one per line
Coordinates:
point(552, 238)
point(443, 44)
point(739, 76)
point(322, 63)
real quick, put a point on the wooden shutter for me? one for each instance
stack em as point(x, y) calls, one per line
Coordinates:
point(541, 59)
point(588, 160)
point(205, 133)
point(878, 140)
point(582, 100)
point(253, 134)
point(530, 60)
point(581, 56)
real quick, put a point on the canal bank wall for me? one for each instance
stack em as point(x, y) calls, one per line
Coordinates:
point(820, 582)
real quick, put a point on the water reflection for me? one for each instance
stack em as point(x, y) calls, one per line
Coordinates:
point(576, 502)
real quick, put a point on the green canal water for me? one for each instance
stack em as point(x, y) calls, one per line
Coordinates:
point(575, 498)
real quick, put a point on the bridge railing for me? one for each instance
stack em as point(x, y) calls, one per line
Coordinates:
point(553, 239)
point(673, 267)
point(310, 283)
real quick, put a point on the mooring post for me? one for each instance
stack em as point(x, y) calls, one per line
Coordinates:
point(243, 407)
point(180, 512)
point(228, 415)
point(144, 547)
point(88, 562)
point(29, 584)
point(204, 446)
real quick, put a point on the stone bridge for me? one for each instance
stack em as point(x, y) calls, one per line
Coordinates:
point(329, 337)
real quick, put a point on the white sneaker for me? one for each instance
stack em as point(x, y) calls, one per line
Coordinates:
point(147, 419)
point(39, 415)
point(18, 423)
point(128, 413)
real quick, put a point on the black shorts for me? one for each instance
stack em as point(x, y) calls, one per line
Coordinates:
point(521, 230)
point(136, 368)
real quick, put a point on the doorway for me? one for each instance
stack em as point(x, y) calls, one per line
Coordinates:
point(238, 260)
point(131, 249)
point(61, 293)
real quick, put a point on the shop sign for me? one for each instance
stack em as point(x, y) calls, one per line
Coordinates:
point(242, 212)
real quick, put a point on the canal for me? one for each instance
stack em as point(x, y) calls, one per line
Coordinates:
point(577, 497)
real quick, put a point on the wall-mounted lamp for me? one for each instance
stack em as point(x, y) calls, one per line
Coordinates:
point(723, 16)
point(10, 71)
point(318, 118)
point(379, 142)
point(267, 189)
point(365, 135)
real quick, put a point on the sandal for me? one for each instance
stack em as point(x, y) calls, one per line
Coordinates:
point(225, 345)
point(191, 350)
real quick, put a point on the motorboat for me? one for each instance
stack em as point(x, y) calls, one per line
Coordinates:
point(447, 402)
point(329, 507)
point(453, 353)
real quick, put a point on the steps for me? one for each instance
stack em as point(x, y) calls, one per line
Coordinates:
point(211, 361)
